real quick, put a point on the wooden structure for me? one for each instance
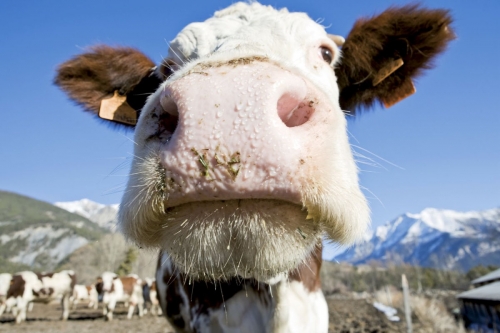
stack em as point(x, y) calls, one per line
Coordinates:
point(480, 307)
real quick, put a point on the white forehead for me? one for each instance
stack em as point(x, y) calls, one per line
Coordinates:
point(107, 277)
point(248, 27)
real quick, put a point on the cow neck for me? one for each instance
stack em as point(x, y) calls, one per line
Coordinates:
point(208, 295)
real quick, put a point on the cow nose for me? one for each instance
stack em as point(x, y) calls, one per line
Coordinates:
point(238, 132)
point(252, 101)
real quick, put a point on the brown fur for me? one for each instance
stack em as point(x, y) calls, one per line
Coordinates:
point(73, 280)
point(308, 272)
point(414, 34)
point(90, 77)
point(128, 284)
point(99, 285)
point(16, 288)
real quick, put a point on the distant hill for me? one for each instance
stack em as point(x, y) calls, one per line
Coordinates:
point(433, 238)
point(110, 251)
point(104, 215)
point(38, 235)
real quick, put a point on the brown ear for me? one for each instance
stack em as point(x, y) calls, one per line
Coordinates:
point(113, 82)
point(382, 54)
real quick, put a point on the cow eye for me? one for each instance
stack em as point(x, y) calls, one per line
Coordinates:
point(326, 54)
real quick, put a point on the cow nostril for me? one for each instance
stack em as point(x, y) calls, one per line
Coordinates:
point(294, 111)
point(169, 106)
point(170, 117)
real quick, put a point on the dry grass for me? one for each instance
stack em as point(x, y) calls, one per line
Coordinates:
point(431, 313)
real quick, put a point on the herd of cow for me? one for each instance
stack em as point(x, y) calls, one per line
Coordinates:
point(18, 292)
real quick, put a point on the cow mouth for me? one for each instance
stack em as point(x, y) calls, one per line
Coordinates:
point(249, 238)
point(271, 212)
point(238, 203)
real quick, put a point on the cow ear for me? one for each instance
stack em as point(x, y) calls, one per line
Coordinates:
point(111, 82)
point(383, 54)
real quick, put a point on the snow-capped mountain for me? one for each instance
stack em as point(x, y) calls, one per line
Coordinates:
point(435, 238)
point(37, 235)
point(103, 215)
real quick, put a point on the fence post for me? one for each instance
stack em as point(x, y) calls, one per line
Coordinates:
point(406, 296)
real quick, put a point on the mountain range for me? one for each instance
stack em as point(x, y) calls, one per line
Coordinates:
point(433, 238)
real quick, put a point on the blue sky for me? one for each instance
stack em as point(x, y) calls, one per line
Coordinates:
point(444, 139)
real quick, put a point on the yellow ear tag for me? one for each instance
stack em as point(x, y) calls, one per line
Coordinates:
point(117, 109)
point(404, 90)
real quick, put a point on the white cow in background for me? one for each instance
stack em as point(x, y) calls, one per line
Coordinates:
point(27, 287)
point(125, 289)
point(83, 293)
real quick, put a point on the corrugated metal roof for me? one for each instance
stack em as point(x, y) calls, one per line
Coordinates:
point(490, 276)
point(489, 292)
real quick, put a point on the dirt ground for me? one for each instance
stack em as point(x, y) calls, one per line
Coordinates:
point(346, 316)
point(359, 316)
point(45, 318)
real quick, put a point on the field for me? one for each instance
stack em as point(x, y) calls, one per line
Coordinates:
point(346, 316)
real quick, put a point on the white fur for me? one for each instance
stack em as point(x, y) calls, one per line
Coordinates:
point(5, 279)
point(299, 310)
point(81, 293)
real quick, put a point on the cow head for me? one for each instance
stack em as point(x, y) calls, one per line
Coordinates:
point(242, 162)
point(105, 282)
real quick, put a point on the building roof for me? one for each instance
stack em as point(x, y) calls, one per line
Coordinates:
point(488, 277)
point(489, 292)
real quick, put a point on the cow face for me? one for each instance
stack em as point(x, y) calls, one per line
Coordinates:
point(242, 154)
point(105, 282)
point(241, 159)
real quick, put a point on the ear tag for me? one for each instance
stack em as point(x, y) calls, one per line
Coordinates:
point(387, 70)
point(117, 109)
point(404, 90)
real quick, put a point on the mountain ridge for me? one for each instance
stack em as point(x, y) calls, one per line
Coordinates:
point(37, 234)
point(439, 238)
point(103, 215)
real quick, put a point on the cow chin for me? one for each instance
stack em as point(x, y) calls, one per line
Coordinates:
point(251, 238)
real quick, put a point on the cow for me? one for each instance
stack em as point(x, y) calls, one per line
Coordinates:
point(242, 163)
point(27, 287)
point(86, 294)
point(5, 282)
point(150, 294)
point(5, 279)
point(124, 289)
